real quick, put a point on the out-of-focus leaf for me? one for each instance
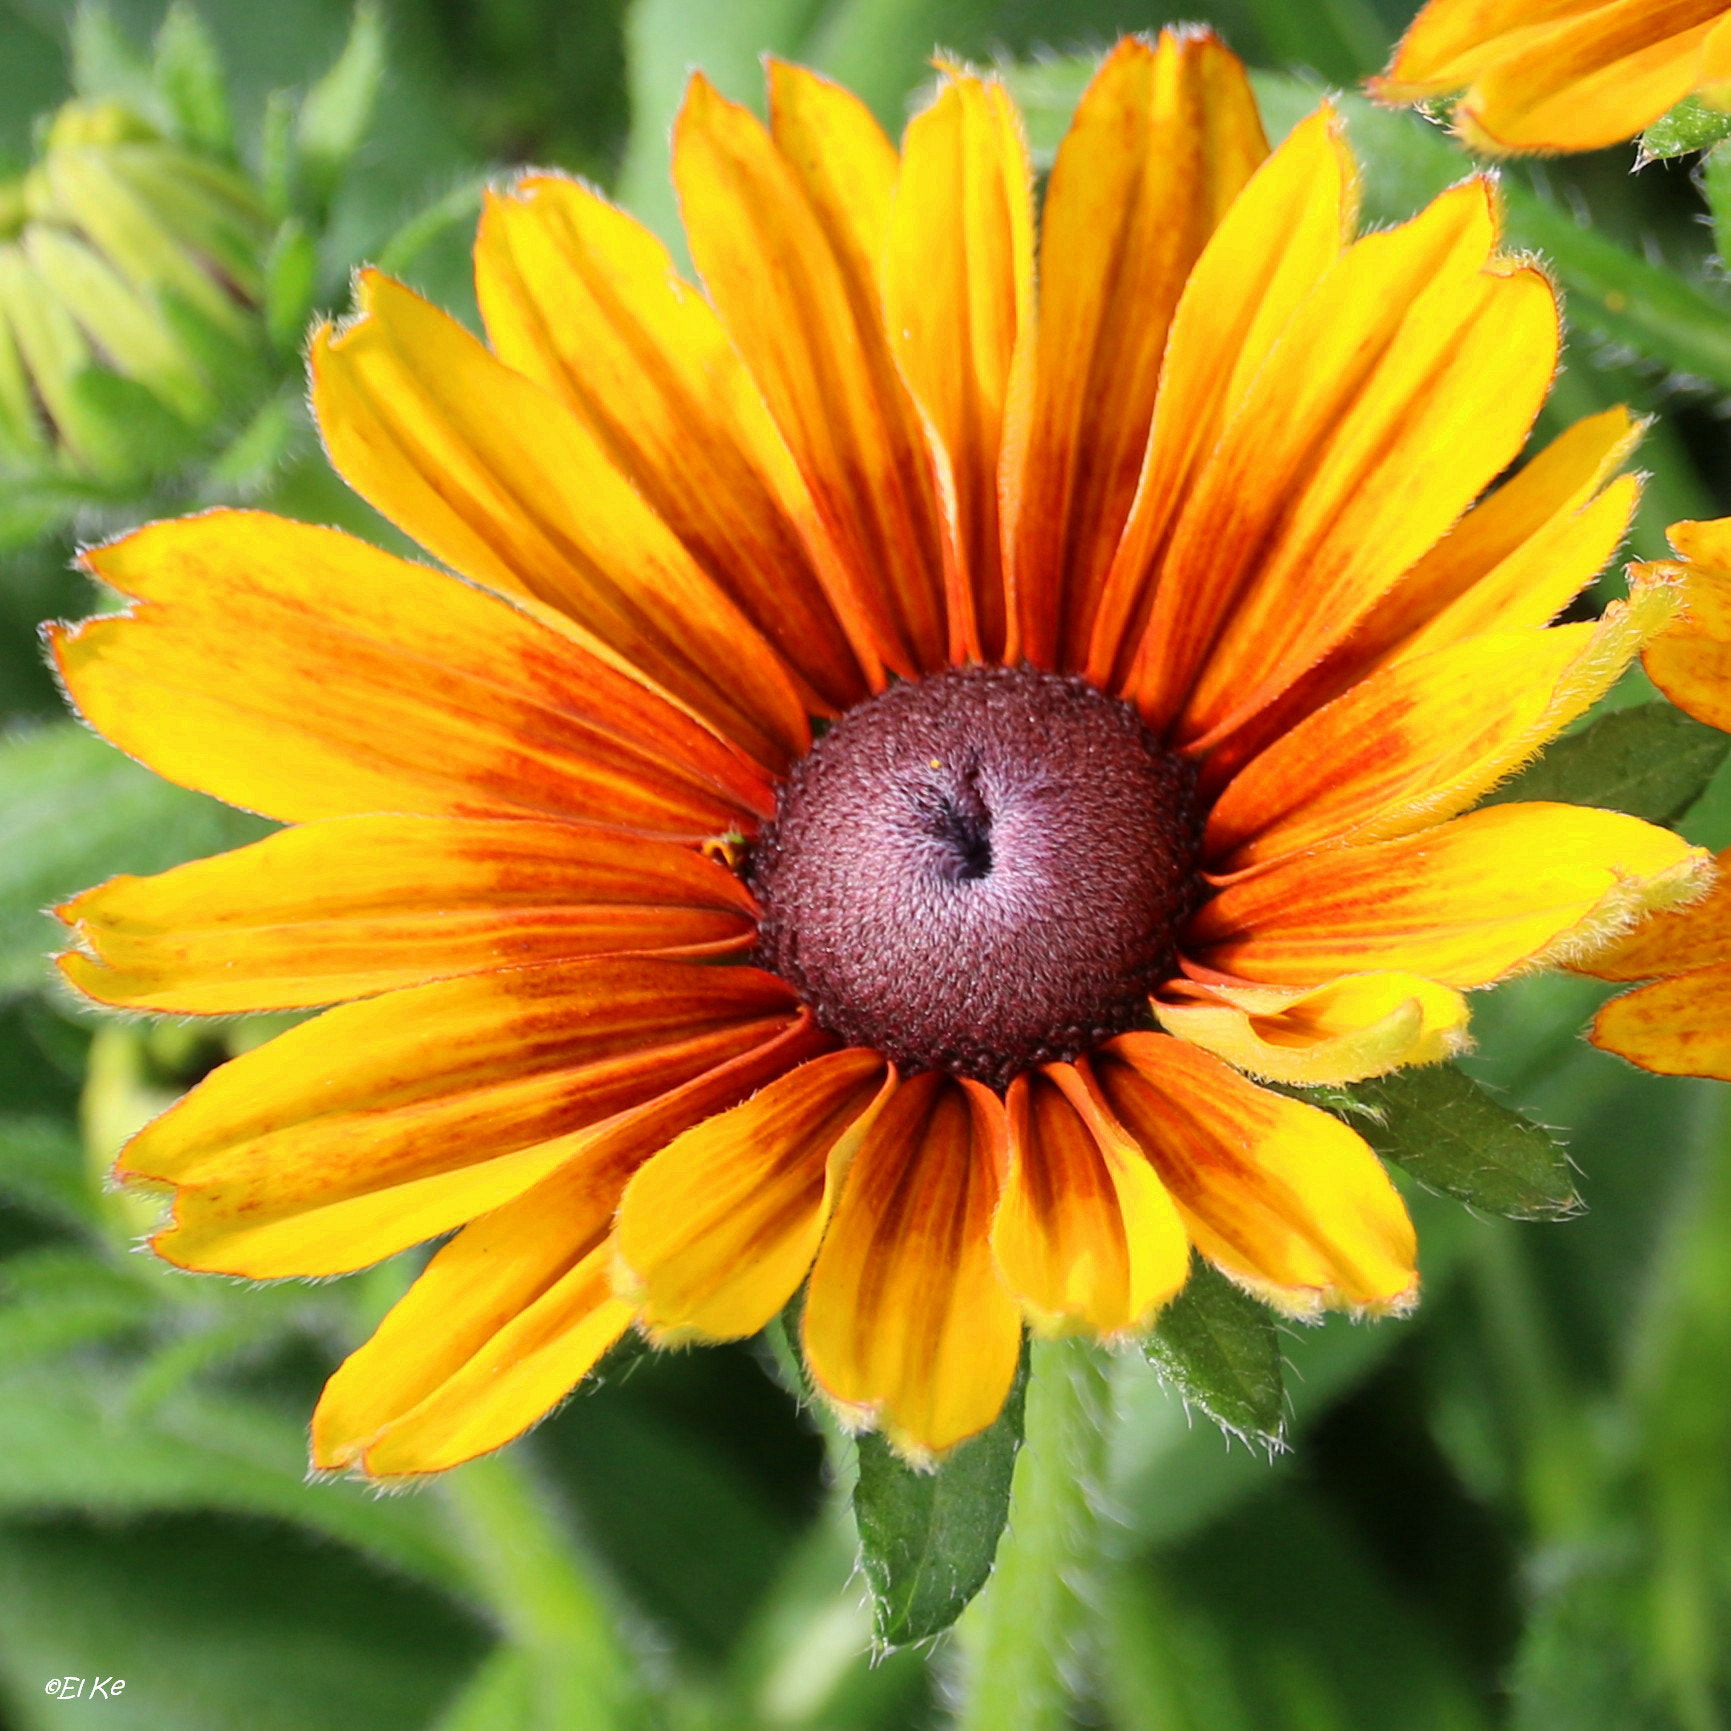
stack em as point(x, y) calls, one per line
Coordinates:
point(339, 108)
point(54, 1299)
point(882, 52)
point(42, 1169)
point(927, 1539)
point(217, 1625)
point(500, 1696)
point(70, 1440)
point(190, 76)
point(1342, 39)
point(1688, 127)
point(1716, 188)
point(73, 811)
point(1218, 1347)
point(1652, 761)
point(1451, 1135)
point(106, 62)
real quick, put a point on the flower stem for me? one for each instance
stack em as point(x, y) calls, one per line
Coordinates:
point(1022, 1638)
point(543, 1596)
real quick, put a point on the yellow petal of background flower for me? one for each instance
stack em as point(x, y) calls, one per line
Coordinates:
point(518, 1306)
point(909, 1326)
point(1679, 1027)
point(500, 480)
point(1357, 1026)
point(1282, 1196)
point(787, 240)
point(304, 674)
point(1586, 82)
point(1674, 942)
point(430, 1106)
point(1404, 384)
point(1691, 663)
point(958, 297)
point(353, 906)
point(717, 1231)
point(1421, 740)
point(1163, 140)
point(1277, 239)
point(1464, 904)
point(583, 299)
point(1085, 1233)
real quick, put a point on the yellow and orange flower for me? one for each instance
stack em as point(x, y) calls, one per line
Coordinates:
point(1561, 75)
point(1163, 643)
point(1680, 1024)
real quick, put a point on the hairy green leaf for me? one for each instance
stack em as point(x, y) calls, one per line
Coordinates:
point(927, 1539)
point(1451, 1135)
point(1218, 1347)
point(1652, 761)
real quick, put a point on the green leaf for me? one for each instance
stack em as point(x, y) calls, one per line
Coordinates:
point(339, 108)
point(74, 811)
point(1716, 189)
point(1451, 1135)
point(106, 62)
point(1690, 126)
point(1218, 1347)
point(189, 75)
point(1652, 761)
point(42, 1169)
point(927, 1539)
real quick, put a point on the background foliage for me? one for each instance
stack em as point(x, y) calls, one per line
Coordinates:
point(1512, 1510)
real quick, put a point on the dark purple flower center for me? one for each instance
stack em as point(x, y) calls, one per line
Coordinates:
point(979, 872)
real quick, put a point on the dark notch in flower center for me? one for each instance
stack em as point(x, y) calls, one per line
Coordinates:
point(979, 872)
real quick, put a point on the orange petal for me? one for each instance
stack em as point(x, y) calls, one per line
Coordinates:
point(1679, 1027)
point(1163, 140)
point(786, 234)
point(1466, 903)
point(1285, 1198)
point(1675, 942)
point(1357, 1026)
point(718, 1230)
point(517, 1307)
point(357, 905)
point(583, 299)
point(958, 297)
point(383, 1123)
point(1422, 740)
point(1404, 383)
point(304, 674)
point(506, 485)
point(1085, 1233)
point(1278, 238)
point(908, 1324)
point(1691, 663)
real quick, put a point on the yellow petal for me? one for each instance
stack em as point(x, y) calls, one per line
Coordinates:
point(1085, 1233)
point(909, 1326)
point(717, 1231)
point(1278, 238)
point(1357, 1026)
point(383, 1123)
point(1423, 739)
point(1163, 140)
point(1673, 942)
point(1466, 903)
point(958, 297)
point(501, 481)
point(353, 906)
point(782, 232)
point(304, 674)
point(1406, 381)
point(1282, 1196)
point(517, 1307)
point(583, 299)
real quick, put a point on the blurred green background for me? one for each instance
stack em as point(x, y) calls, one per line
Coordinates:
point(1512, 1510)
